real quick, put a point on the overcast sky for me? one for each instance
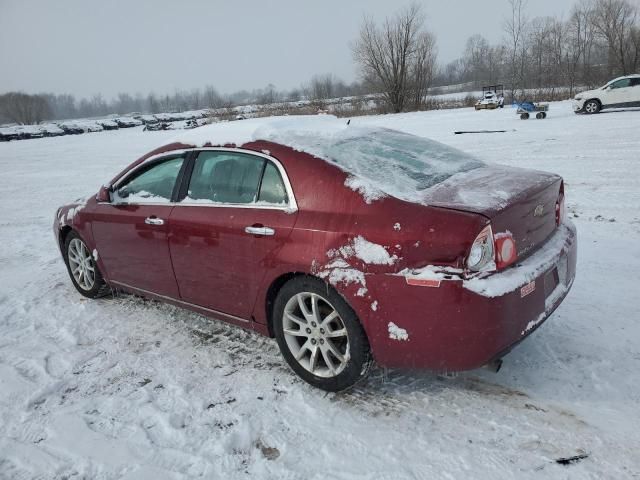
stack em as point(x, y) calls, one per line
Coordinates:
point(89, 46)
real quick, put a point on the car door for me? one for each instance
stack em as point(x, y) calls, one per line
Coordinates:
point(224, 235)
point(619, 93)
point(131, 231)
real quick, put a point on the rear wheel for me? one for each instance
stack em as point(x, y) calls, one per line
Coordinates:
point(82, 267)
point(524, 116)
point(319, 335)
point(592, 106)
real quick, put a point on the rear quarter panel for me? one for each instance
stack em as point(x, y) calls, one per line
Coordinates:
point(331, 215)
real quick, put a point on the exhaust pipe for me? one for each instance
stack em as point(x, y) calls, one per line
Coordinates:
point(494, 365)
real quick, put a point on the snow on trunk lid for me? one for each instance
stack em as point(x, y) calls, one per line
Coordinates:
point(519, 201)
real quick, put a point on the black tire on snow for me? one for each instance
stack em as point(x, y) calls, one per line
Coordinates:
point(360, 355)
point(99, 286)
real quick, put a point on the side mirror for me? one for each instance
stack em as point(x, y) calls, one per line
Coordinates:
point(104, 194)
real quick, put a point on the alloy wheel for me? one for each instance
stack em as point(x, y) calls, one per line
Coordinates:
point(316, 335)
point(81, 264)
point(591, 107)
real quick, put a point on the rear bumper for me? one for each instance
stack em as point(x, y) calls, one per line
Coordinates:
point(461, 325)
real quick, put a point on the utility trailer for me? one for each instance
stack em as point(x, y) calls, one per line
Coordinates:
point(525, 109)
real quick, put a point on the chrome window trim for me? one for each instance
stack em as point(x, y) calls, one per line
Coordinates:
point(290, 207)
point(159, 156)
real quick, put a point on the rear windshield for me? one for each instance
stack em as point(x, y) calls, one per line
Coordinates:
point(399, 164)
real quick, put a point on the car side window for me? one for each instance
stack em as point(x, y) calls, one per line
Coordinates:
point(153, 185)
point(635, 82)
point(272, 189)
point(625, 82)
point(225, 177)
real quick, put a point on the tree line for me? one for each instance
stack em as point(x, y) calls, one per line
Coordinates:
point(397, 60)
point(16, 107)
point(599, 40)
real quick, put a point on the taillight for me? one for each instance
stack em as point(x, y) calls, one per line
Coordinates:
point(506, 252)
point(481, 256)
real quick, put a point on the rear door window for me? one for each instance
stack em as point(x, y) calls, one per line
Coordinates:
point(272, 189)
point(225, 177)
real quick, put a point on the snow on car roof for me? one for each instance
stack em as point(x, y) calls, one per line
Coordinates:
point(379, 161)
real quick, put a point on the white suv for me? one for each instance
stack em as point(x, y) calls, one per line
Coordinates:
point(618, 93)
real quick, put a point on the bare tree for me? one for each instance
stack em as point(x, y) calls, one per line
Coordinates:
point(267, 96)
point(212, 98)
point(538, 49)
point(515, 29)
point(476, 58)
point(615, 23)
point(322, 87)
point(422, 69)
point(387, 54)
point(153, 105)
point(294, 95)
point(579, 44)
point(24, 109)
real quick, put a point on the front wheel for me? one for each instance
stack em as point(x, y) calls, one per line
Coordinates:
point(592, 106)
point(82, 267)
point(319, 335)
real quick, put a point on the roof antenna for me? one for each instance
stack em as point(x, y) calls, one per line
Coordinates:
point(348, 121)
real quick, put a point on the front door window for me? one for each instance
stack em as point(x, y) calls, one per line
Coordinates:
point(154, 184)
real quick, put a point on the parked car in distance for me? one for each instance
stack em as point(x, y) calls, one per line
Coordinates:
point(92, 127)
point(146, 119)
point(52, 130)
point(622, 92)
point(347, 244)
point(156, 126)
point(27, 132)
point(107, 124)
point(127, 122)
point(71, 128)
point(9, 133)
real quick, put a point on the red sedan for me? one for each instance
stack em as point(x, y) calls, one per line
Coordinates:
point(346, 244)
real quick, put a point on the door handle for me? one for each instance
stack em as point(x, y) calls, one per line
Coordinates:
point(154, 221)
point(262, 231)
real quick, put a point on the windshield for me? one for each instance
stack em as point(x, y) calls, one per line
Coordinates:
point(399, 164)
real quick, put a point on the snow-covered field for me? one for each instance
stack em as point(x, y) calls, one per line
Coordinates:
point(127, 388)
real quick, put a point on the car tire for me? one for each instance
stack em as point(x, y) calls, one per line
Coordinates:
point(524, 116)
point(319, 335)
point(592, 106)
point(82, 267)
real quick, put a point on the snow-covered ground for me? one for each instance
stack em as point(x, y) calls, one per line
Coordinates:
point(127, 388)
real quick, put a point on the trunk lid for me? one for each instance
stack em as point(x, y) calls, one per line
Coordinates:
point(516, 200)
